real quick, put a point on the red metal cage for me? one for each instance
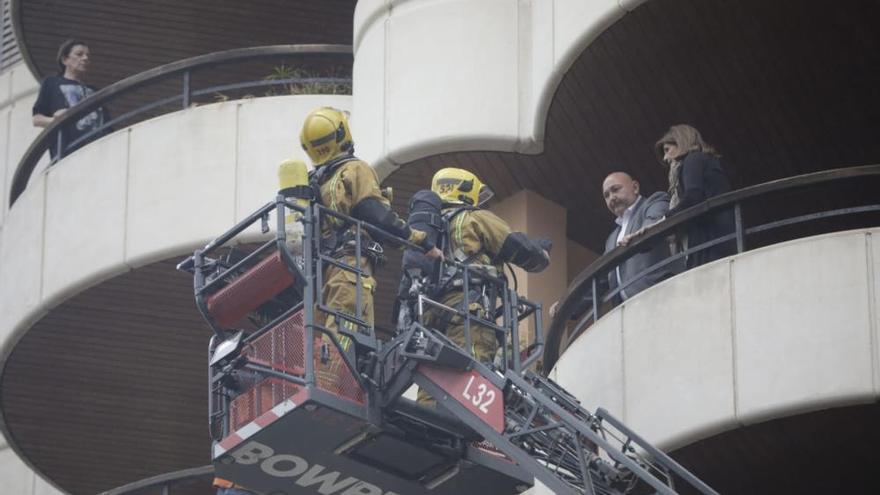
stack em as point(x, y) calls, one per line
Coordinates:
point(283, 349)
point(247, 292)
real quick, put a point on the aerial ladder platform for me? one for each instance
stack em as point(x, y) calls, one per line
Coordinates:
point(293, 411)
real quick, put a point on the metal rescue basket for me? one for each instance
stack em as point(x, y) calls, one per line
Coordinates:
point(292, 412)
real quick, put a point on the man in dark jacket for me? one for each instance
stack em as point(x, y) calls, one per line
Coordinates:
point(633, 214)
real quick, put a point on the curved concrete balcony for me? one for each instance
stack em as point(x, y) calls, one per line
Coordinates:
point(779, 332)
point(156, 189)
point(124, 356)
point(200, 80)
point(492, 68)
point(552, 96)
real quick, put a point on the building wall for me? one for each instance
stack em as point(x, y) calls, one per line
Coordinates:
point(693, 356)
point(156, 189)
point(18, 92)
point(18, 478)
point(454, 75)
point(528, 212)
point(781, 330)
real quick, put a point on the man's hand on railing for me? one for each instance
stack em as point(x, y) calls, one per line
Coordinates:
point(629, 237)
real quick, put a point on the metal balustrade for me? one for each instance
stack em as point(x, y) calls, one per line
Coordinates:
point(764, 214)
point(182, 79)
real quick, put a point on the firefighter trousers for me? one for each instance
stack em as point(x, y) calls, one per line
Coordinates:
point(339, 292)
point(484, 344)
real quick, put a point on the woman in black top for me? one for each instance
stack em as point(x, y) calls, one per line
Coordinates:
point(59, 93)
point(695, 175)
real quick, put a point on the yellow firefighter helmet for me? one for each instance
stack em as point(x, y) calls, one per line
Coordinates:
point(457, 186)
point(325, 135)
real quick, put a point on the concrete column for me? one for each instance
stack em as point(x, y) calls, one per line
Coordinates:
point(531, 213)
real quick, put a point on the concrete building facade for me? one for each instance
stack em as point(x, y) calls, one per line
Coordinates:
point(733, 366)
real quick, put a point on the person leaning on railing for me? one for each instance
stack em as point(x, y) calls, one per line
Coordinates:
point(633, 214)
point(695, 175)
point(61, 92)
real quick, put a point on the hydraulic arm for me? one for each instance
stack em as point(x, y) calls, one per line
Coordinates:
point(535, 423)
point(292, 411)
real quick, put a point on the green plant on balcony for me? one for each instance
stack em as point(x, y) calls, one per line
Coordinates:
point(284, 72)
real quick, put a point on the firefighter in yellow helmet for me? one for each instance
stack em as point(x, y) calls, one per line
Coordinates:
point(476, 237)
point(350, 186)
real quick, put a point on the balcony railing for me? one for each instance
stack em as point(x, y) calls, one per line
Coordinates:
point(764, 214)
point(185, 482)
point(179, 85)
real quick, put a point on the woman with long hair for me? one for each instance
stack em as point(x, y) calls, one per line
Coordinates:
point(695, 175)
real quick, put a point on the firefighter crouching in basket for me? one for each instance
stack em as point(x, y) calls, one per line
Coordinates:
point(349, 186)
point(482, 240)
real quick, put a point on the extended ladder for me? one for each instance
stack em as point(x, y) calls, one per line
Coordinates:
point(283, 425)
point(535, 423)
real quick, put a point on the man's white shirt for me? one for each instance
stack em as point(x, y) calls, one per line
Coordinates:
point(623, 221)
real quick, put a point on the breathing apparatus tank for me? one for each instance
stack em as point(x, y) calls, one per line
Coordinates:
point(293, 184)
point(424, 215)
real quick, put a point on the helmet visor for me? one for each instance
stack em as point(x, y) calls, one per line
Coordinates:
point(486, 194)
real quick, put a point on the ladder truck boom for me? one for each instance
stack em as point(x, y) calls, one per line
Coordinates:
point(291, 411)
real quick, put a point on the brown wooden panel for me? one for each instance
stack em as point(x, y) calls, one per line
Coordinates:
point(130, 37)
point(109, 387)
point(9, 52)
